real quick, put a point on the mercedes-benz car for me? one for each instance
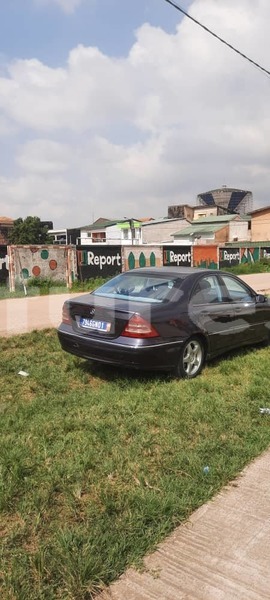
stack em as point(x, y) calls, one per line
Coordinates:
point(167, 318)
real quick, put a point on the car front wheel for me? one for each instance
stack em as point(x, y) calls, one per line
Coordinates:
point(191, 359)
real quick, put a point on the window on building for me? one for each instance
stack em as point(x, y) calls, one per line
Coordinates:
point(98, 237)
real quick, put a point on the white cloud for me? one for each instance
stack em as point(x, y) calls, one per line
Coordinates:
point(44, 157)
point(180, 114)
point(33, 194)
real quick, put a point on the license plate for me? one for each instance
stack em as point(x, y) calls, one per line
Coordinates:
point(95, 325)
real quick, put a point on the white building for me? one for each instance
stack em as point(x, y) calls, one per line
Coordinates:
point(106, 231)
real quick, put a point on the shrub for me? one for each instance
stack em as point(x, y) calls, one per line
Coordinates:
point(260, 266)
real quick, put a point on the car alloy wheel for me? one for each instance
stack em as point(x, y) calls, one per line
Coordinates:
point(191, 359)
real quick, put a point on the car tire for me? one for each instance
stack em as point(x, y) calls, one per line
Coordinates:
point(191, 359)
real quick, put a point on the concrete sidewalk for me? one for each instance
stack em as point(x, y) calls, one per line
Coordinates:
point(21, 315)
point(260, 282)
point(221, 553)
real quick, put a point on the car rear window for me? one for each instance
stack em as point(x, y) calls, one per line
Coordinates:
point(142, 288)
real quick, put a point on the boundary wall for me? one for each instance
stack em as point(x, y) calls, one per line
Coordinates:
point(68, 263)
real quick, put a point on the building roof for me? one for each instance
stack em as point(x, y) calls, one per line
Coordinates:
point(195, 231)
point(224, 188)
point(217, 219)
point(146, 219)
point(99, 224)
point(6, 221)
point(164, 220)
point(258, 210)
point(248, 244)
point(104, 223)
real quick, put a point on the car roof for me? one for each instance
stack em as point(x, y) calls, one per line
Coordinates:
point(180, 271)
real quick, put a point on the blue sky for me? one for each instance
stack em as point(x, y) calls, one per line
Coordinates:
point(112, 107)
point(46, 31)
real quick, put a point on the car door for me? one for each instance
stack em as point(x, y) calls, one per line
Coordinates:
point(213, 314)
point(250, 315)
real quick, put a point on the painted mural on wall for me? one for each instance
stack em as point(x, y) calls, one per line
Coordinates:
point(57, 263)
point(98, 261)
point(205, 257)
point(141, 256)
point(248, 254)
point(3, 264)
point(179, 256)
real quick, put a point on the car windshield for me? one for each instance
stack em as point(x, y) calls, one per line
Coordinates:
point(139, 287)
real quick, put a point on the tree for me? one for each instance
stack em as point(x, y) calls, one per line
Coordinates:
point(29, 231)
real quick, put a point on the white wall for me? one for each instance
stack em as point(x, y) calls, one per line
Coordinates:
point(114, 236)
point(157, 233)
point(239, 230)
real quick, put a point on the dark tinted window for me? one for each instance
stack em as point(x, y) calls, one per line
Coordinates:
point(139, 287)
point(236, 290)
point(206, 290)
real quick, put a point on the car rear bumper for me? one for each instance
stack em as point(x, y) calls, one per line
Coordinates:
point(159, 355)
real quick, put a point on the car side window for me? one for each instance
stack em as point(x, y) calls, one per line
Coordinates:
point(237, 291)
point(206, 291)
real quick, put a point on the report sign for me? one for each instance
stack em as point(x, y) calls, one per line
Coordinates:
point(98, 261)
point(229, 257)
point(177, 256)
point(3, 264)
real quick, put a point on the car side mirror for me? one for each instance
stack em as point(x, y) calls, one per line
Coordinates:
point(260, 298)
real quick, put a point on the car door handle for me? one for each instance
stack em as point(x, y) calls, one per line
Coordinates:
point(245, 306)
point(218, 314)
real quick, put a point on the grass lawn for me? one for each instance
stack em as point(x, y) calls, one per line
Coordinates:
point(43, 287)
point(98, 465)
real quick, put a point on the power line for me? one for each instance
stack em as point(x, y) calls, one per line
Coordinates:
point(257, 65)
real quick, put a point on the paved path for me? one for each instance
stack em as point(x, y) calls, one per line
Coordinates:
point(20, 315)
point(259, 282)
point(221, 553)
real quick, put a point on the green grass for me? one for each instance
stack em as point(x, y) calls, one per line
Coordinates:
point(260, 266)
point(99, 465)
point(41, 287)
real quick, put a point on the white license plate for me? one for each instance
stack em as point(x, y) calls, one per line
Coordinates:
point(95, 325)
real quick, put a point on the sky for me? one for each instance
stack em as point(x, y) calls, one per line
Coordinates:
point(116, 108)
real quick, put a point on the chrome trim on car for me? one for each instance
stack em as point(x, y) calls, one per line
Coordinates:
point(112, 342)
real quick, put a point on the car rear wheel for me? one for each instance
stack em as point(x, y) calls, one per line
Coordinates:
point(191, 359)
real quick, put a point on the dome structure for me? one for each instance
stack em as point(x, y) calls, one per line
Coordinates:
point(231, 199)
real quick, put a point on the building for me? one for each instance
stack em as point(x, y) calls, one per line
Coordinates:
point(260, 224)
point(181, 211)
point(64, 236)
point(6, 226)
point(214, 229)
point(107, 231)
point(201, 211)
point(231, 199)
point(159, 231)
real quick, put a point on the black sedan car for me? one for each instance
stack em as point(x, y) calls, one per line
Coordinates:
point(167, 318)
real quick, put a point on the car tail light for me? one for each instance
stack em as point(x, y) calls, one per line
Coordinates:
point(137, 327)
point(66, 318)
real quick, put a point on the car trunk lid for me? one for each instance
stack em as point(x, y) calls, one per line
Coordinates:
point(100, 317)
